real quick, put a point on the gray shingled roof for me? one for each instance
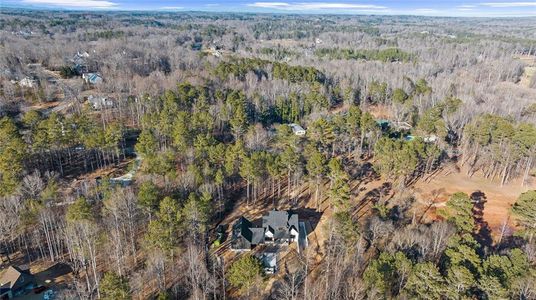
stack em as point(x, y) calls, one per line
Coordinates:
point(245, 234)
point(257, 235)
point(280, 223)
point(15, 278)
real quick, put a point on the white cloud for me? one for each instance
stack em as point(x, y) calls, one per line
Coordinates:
point(171, 7)
point(314, 6)
point(466, 6)
point(426, 10)
point(212, 4)
point(509, 4)
point(74, 3)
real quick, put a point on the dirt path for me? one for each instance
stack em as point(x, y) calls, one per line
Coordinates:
point(499, 199)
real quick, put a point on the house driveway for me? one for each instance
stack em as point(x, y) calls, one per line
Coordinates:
point(302, 237)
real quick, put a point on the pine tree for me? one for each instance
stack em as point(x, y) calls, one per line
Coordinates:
point(148, 196)
point(245, 272)
point(316, 167)
point(459, 211)
point(164, 232)
point(114, 287)
point(525, 212)
point(426, 282)
point(12, 154)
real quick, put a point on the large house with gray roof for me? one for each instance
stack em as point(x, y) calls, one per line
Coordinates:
point(278, 227)
point(14, 281)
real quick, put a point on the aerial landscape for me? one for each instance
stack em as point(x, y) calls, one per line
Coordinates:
point(267, 150)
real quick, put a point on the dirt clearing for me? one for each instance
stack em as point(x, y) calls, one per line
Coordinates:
point(530, 70)
point(497, 199)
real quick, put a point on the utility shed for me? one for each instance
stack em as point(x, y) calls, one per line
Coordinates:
point(297, 129)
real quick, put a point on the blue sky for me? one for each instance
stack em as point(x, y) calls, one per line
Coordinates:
point(479, 8)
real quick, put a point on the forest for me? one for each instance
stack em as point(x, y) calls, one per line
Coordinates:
point(132, 144)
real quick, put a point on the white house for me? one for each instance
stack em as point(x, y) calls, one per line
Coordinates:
point(278, 227)
point(27, 82)
point(93, 78)
point(297, 129)
point(82, 54)
point(98, 102)
point(430, 139)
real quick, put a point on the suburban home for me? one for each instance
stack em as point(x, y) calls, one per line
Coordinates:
point(297, 129)
point(80, 68)
point(396, 125)
point(431, 138)
point(278, 227)
point(214, 51)
point(98, 102)
point(79, 62)
point(82, 54)
point(28, 82)
point(92, 78)
point(399, 125)
point(14, 282)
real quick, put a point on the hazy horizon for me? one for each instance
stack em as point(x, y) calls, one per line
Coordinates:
point(457, 8)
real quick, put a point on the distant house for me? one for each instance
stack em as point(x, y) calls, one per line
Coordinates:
point(278, 227)
point(398, 125)
point(80, 57)
point(297, 129)
point(28, 82)
point(213, 50)
point(14, 282)
point(92, 78)
point(430, 139)
point(82, 54)
point(98, 102)
point(79, 67)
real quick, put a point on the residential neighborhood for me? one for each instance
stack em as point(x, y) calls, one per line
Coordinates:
point(267, 150)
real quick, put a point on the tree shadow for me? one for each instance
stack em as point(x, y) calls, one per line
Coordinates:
point(510, 242)
point(365, 172)
point(436, 194)
point(399, 212)
point(483, 234)
point(373, 196)
point(312, 216)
